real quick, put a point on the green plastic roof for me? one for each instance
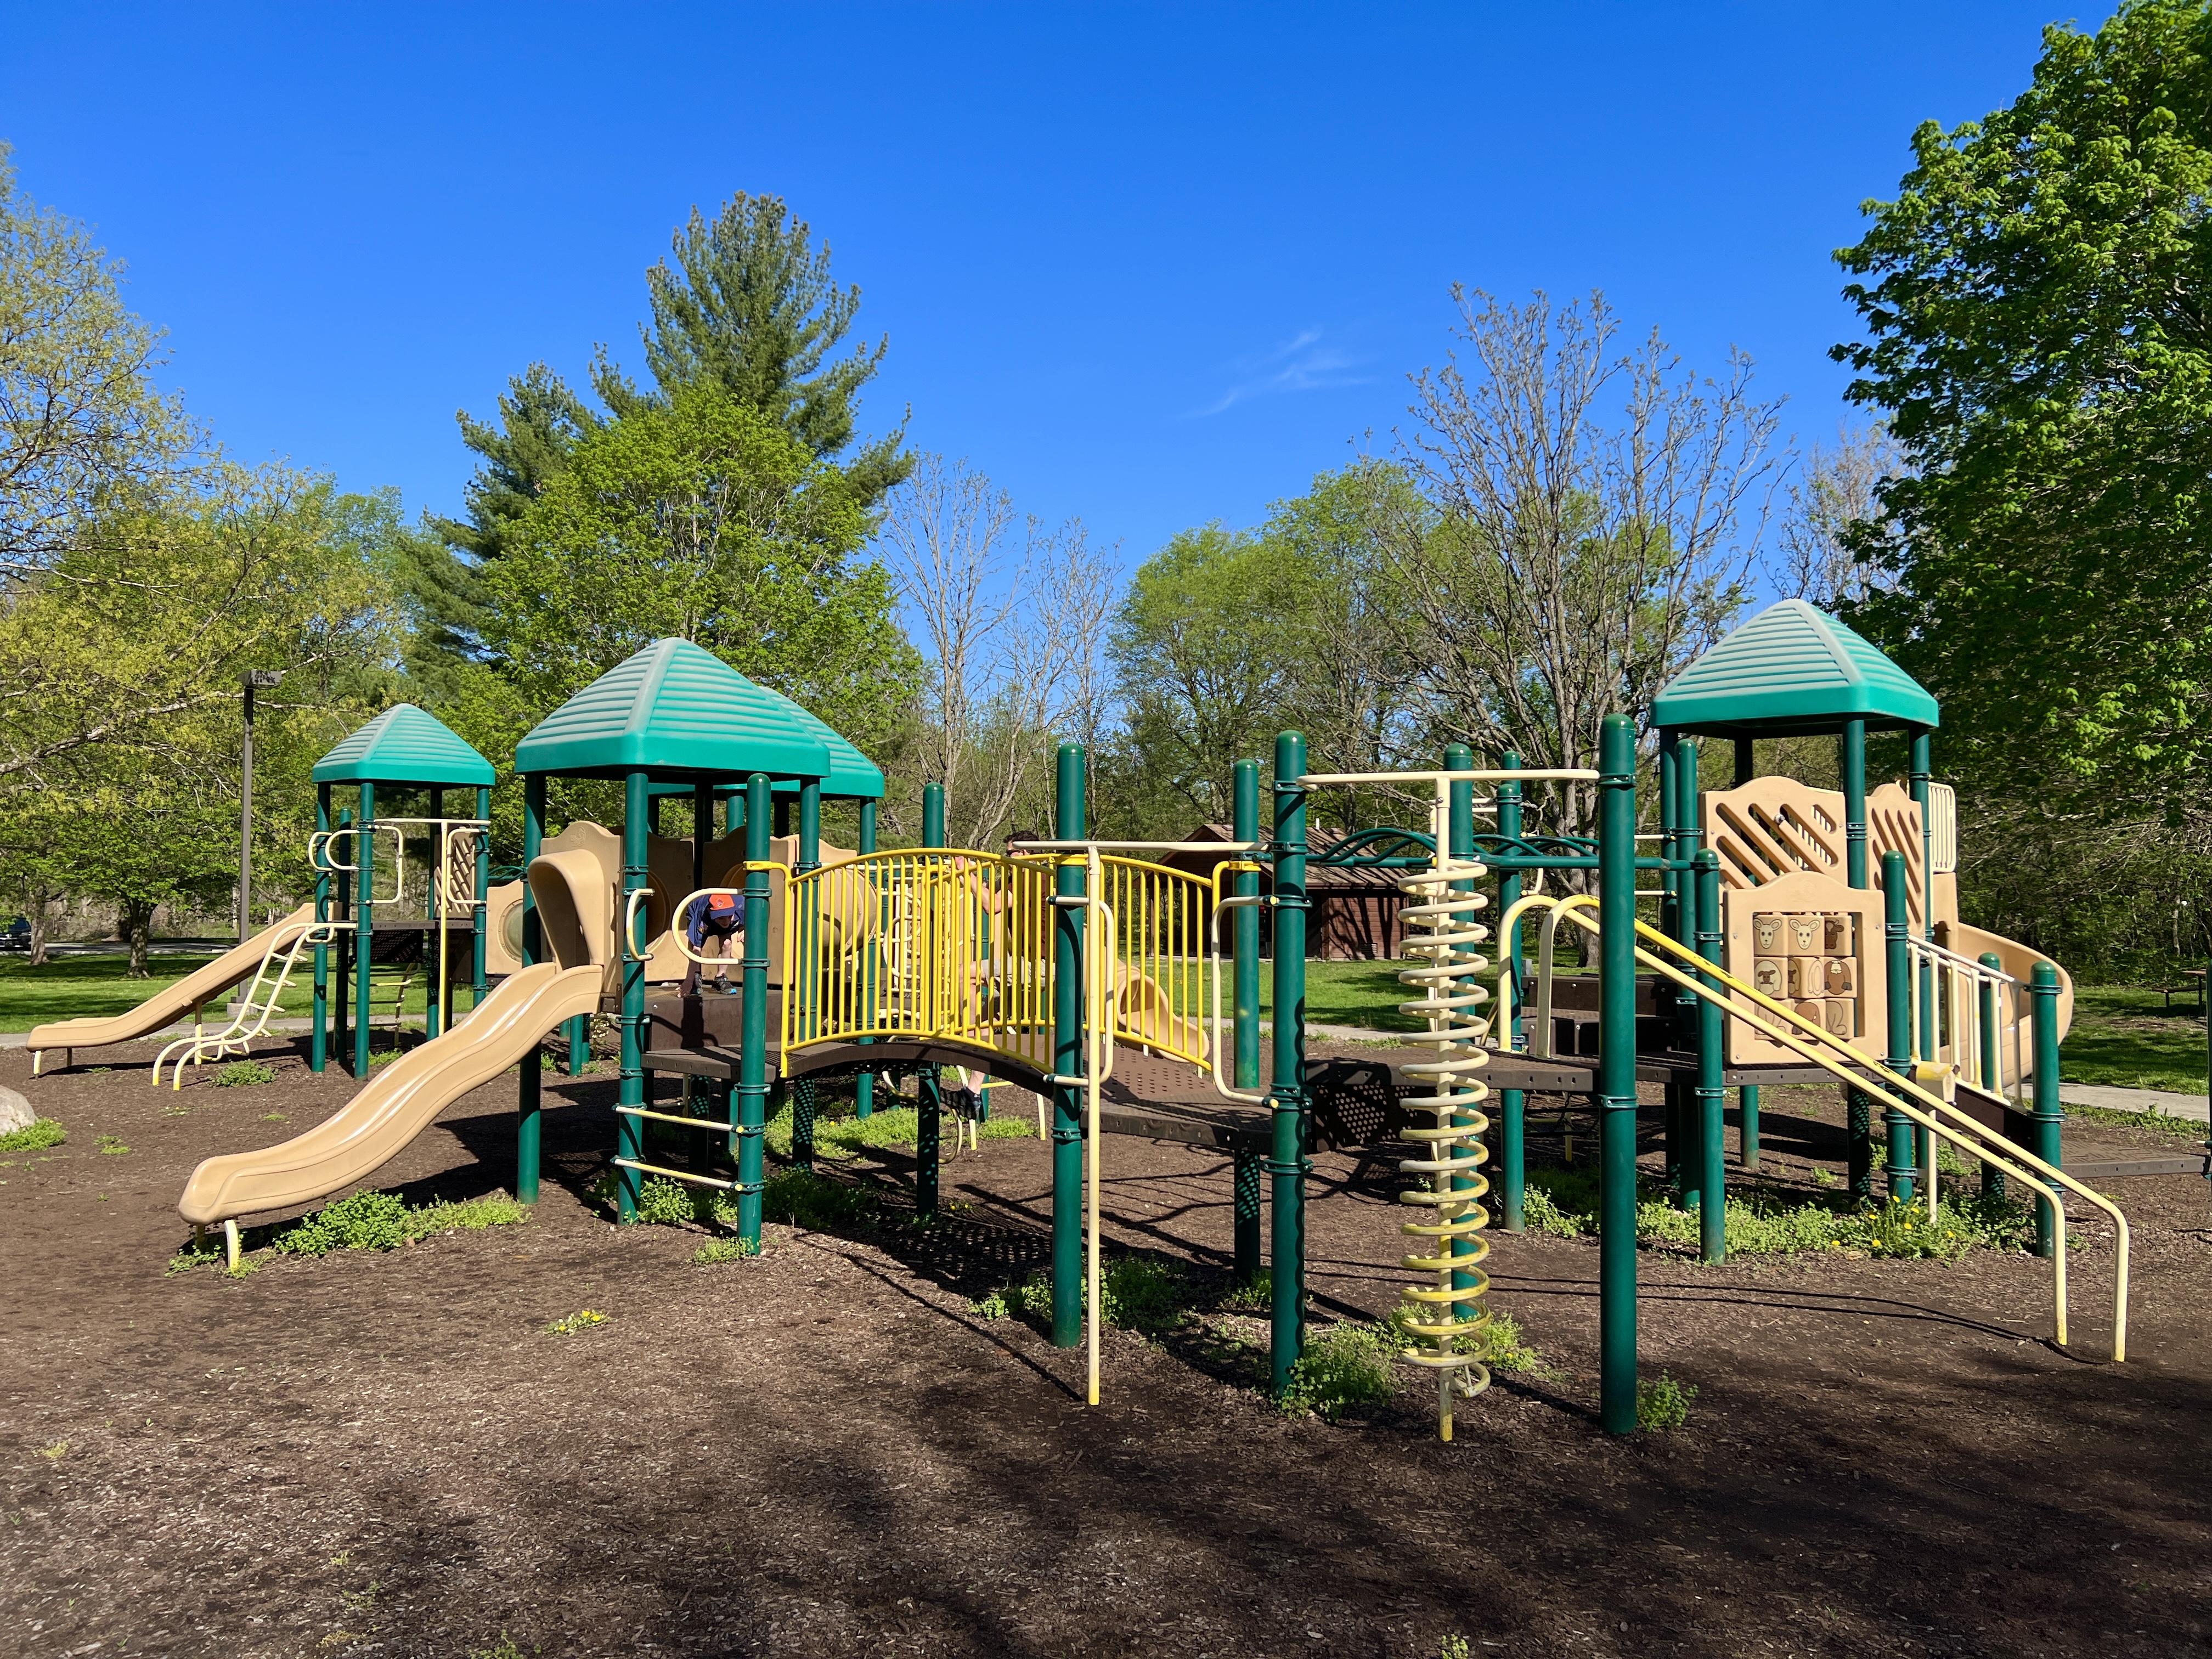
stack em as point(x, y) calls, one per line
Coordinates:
point(1792, 669)
point(404, 746)
point(852, 775)
point(679, 713)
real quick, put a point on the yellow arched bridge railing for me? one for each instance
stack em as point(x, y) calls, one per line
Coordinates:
point(958, 946)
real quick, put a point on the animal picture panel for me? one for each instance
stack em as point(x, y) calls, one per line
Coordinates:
point(1844, 993)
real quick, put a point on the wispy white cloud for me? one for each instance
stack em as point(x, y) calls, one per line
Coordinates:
point(1303, 364)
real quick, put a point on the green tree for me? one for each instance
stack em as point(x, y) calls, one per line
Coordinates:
point(750, 306)
point(80, 421)
point(2035, 307)
point(700, 519)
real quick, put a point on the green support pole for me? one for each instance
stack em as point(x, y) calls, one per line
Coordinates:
point(1992, 1077)
point(1616, 1079)
point(1858, 1109)
point(2050, 1116)
point(1248, 1185)
point(342, 993)
point(1689, 1007)
point(701, 1146)
point(1746, 769)
point(1712, 1093)
point(1068, 1051)
point(1897, 938)
point(479, 976)
point(579, 1045)
point(629, 1132)
point(864, 1083)
point(932, 815)
point(1287, 1100)
point(529, 1085)
point(751, 1092)
point(318, 1040)
point(364, 929)
point(435, 1013)
point(1512, 1103)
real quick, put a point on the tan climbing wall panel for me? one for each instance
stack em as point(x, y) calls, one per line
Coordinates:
point(1774, 827)
point(1815, 943)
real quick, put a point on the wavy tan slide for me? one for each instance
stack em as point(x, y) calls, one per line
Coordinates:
point(171, 1002)
point(399, 1102)
point(402, 1099)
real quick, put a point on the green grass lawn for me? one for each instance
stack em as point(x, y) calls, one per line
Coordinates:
point(70, 988)
point(2124, 1037)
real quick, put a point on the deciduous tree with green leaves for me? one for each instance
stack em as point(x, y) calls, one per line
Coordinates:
point(2035, 303)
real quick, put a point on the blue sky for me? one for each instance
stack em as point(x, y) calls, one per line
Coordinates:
point(1150, 265)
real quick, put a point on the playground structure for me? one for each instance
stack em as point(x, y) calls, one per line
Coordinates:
point(1065, 966)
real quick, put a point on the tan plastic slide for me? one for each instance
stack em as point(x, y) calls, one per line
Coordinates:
point(402, 1099)
point(399, 1104)
point(172, 1002)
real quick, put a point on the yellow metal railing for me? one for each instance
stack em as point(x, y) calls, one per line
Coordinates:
point(1810, 1042)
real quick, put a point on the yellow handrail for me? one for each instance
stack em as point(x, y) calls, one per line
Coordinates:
point(2013, 1159)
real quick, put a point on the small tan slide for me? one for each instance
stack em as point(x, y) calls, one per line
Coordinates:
point(400, 1102)
point(171, 1002)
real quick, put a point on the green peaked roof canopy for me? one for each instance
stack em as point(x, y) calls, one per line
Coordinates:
point(679, 713)
point(1792, 669)
point(404, 746)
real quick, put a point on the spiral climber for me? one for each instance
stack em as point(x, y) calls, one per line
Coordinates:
point(1444, 1314)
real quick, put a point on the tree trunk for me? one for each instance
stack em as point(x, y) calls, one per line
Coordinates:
point(137, 923)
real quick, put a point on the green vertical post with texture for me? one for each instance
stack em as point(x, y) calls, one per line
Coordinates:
point(318, 1040)
point(1286, 1162)
point(696, 1096)
point(529, 1080)
point(437, 990)
point(1746, 769)
point(1249, 1179)
point(1713, 1092)
point(1512, 1103)
point(1992, 1076)
point(1689, 1024)
point(479, 976)
point(1858, 1107)
point(1896, 929)
point(929, 1084)
point(630, 1131)
point(364, 927)
point(1616, 1080)
point(1067, 1054)
point(341, 992)
point(751, 1092)
point(864, 1083)
point(2050, 1116)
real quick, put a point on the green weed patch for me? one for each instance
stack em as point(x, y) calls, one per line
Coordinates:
point(35, 1136)
point(244, 1074)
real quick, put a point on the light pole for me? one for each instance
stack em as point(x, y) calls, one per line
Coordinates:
point(254, 680)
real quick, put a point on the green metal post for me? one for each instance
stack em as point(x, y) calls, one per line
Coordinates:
point(1858, 1107)
point(436, 1015)
point(364, 929)
point(1248, 1185)
point(2050, 1116)
point(1513, 1103)
point(629, 1132)
point(1746, 769)
point(932, 815)
point(1689, 1007)
point(1670, 923)
point(701, 1146)
point(1286, 1165)
point(1712, 1093)
point(1992, 1077)
point(751, 1092)
point(342, 993)
point(1616, 1080)
point(529, 1083)
point(1897, 935)
point(1067, 1051)
point(479, 976)
point(319, 1039)
point(864, 1083)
